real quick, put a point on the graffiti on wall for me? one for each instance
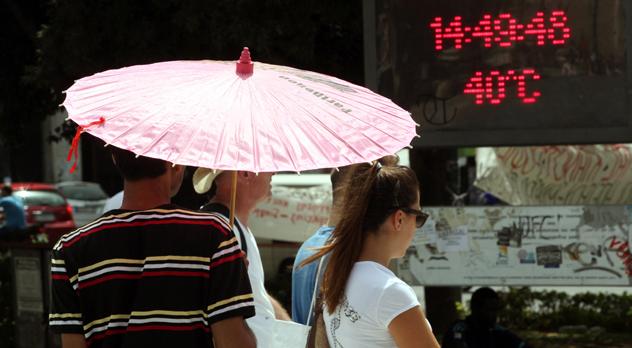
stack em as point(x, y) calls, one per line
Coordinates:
point(586, 174)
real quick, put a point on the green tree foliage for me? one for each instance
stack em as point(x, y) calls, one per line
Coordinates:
point(47, 44)
point(549, 310)
point(85, 37)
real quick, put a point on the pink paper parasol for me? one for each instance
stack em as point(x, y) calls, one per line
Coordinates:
point(260, 118)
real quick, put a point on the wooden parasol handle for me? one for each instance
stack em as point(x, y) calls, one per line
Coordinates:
point(233, 199)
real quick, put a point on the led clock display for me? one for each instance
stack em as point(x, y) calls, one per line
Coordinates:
point(502, 72)
point(503, 30)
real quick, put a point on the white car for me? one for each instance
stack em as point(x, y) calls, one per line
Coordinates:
point(87, 200)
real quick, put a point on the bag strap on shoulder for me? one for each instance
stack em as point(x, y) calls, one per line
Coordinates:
point(315, 306)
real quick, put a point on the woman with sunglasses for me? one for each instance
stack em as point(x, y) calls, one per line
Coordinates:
point(364, 303)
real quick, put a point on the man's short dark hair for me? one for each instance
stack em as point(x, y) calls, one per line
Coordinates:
point(7, 190)
point(134, 169)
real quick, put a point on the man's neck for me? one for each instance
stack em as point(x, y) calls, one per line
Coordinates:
point(242, 211)
point(479, 323)
point(335, 212)
point(145, 194)
point(334, 218)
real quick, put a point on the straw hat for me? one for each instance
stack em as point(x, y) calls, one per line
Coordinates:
point(203, 179)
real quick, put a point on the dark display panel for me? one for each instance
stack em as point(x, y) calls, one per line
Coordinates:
point(507, 72)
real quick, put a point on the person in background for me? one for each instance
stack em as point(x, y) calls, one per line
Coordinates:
point(365, 304)
point(280, 286)
point(304, 277)
point(150, 274)
point(13, 214)
point(480, 329)
point(251, 189)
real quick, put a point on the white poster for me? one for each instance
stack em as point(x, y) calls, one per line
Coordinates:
point(28, 284)
point(548, 245)
point(291, 214)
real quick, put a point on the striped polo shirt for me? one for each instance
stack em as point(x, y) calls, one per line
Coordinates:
point(152, 278)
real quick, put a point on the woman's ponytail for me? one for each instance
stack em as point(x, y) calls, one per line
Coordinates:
point(348, 237)
point(373, 191)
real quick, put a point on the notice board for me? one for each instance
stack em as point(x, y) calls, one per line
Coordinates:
point(503, 245)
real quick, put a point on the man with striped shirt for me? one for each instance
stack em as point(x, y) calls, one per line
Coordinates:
point(151, 274)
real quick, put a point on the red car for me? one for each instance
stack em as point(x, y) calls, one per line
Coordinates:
point(46, 206)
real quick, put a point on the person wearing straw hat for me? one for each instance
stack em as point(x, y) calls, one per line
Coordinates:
point(251, 189)
point(151, 274)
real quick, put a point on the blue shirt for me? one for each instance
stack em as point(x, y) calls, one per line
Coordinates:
point(304, 278)
point(13, 209)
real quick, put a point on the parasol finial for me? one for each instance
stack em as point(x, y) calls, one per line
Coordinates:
point(244, 64)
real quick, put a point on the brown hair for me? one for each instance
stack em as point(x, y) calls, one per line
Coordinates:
point(339, 177)
point(373, 193)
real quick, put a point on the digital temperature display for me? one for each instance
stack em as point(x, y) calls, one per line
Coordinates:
point(502, 31)
point(521, 72)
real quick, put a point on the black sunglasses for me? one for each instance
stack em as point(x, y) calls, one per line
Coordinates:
point(420, 216)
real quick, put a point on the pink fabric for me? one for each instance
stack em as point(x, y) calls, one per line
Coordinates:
point(201, 113)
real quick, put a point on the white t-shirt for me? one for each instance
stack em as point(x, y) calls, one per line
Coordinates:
point(263, 321)
point(374, 296)
point(113, 202)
